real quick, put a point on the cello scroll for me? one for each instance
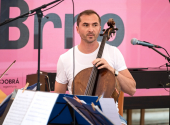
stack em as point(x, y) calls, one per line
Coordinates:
point(111, 30)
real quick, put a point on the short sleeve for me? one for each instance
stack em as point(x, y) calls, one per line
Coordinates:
point(61, 75)
point(119, 60)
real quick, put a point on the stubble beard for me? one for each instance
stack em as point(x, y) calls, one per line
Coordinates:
point(87, 39)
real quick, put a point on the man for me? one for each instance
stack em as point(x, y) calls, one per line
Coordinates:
point(88, 27)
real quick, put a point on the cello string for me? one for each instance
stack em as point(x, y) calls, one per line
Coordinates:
point(91, 81)
point(88, 88)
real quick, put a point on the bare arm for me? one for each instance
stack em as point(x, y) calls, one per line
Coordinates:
point(127, 83)
point(60, 88)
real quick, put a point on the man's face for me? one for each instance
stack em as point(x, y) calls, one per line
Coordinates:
point(89, 28)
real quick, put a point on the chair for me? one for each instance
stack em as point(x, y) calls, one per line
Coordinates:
point(121, 103)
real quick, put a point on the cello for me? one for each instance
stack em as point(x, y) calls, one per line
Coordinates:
point(94, 82)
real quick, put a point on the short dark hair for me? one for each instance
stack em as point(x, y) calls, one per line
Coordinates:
point(87, 12)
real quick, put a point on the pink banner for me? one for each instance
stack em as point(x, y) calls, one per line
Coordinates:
point(146, 20)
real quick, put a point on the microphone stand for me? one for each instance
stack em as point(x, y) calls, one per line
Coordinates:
point(168, 59)
point(39, 15)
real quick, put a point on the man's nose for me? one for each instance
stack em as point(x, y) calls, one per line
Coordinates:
point(91, 28)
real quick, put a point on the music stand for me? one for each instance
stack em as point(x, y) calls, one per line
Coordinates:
point(89, 113)
point(62, 112)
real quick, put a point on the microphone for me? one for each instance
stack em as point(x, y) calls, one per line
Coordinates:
point(134, 41)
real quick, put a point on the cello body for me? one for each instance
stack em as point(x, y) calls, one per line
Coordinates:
point(105, 85)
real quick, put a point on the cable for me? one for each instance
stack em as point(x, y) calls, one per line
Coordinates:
point(73, 50)
point(162, 65)
point(157, 67)
point(73, 43)
point(166, 51)
point(164, 87)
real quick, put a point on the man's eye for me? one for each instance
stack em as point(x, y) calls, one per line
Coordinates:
point(95, 25)
point(85, 25)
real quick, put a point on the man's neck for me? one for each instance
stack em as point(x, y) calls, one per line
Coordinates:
point(87, 48)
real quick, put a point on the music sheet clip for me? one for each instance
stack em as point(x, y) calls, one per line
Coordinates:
point(25, 87)
point(98, 98)
point(77, 99)
point(92, 104)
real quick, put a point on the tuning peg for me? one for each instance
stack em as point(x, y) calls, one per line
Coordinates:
point(103, 30)
point(112, 31)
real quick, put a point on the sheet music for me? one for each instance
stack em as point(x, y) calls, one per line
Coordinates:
point(31, 108)
point(109, 110)
point(40, 109)
point(19, 108)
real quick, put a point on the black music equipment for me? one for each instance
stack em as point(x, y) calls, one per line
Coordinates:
point(47, 79)
point(149, 79)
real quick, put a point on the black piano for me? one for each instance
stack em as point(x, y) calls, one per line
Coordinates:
point(149, 79)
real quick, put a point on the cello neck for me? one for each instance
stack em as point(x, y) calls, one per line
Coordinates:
point(100, 52)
